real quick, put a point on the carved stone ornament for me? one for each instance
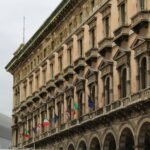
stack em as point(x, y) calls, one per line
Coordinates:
point(69, 91)
point(141, 45)
point(79, 83)
point(106, 67)
point(122, 57)
point(91, 75)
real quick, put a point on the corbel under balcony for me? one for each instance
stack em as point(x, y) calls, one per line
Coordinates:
point(91, 55)
point(105, 45)
point(29, 101)
point(79, 64)
point(43, 91)
point(59, 79)
point(140, 20)
point(121, 34)
point(50, 85)
point(69, 72)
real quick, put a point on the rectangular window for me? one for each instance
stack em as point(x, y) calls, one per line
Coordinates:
point(80, 42)
point(52, 71)
point(30, 87)
point(60, 63)
point(44, 76)
point(92, 5)
point(25, 92)
point(52, 45)
point(51, 117)
point(70, 27)
point(42, 119)
point(69, 56)
point(142, 4)
point(45, 53)
point(38, 59)
point(106, 27)
point(61, 37)
point(31, 66)
point(37, 82)
point(123, 14)
point(92, 36)
point(81, 17)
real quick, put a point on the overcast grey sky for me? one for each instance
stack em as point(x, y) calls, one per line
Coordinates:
point(11, 24)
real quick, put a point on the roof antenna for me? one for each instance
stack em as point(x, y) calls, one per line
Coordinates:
point(23, 30)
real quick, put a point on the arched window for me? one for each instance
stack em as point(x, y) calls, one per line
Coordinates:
point(143, 73)
point(109, 143)
point(71, 147)
point(95, 145)
point(107, 91)
point(82, 146)
point(80, 97)
point(144, 136)
point(126, 141)
point(124, 83)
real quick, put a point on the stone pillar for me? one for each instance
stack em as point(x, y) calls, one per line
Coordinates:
point(48, 70)
point(148, 71)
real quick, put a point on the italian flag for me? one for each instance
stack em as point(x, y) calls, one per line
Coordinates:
point(26, 133)
point(75, 105)
point(73, 112)
point(45, 122)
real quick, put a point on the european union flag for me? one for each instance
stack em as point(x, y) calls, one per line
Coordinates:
point(90, 102)
point(55, 118)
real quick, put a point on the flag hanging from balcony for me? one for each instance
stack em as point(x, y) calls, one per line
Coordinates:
point(73, 112)
point(90, 102)
point(55, 118)
point(45, 122)
point(75, 105)
point(68, 114)
point(34, 129)
point(26, 133)
point(38, 126)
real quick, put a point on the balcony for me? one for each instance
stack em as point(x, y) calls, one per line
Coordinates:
point(69, 72)
point(62, 127)
point(59, 79)
point(121, 34)
point(105, 45)
point(91, 56)
point(140, 20)
point(118, 109)
point(79, 64)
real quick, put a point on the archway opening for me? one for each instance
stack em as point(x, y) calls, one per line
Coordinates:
point(71, 147)
point(109, 143)
point(126, 141)
point(82, 146)
point(95, 145)
point(144, 137)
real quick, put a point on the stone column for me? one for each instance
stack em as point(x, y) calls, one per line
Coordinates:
point(148, 71)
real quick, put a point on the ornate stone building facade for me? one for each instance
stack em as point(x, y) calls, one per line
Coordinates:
point(87, 70)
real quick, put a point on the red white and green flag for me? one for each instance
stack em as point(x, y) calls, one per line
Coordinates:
point(26, 133)
point(38, 126)
point(68, 114)
point(45, 122)
point(75, 105)
point(73, 112)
